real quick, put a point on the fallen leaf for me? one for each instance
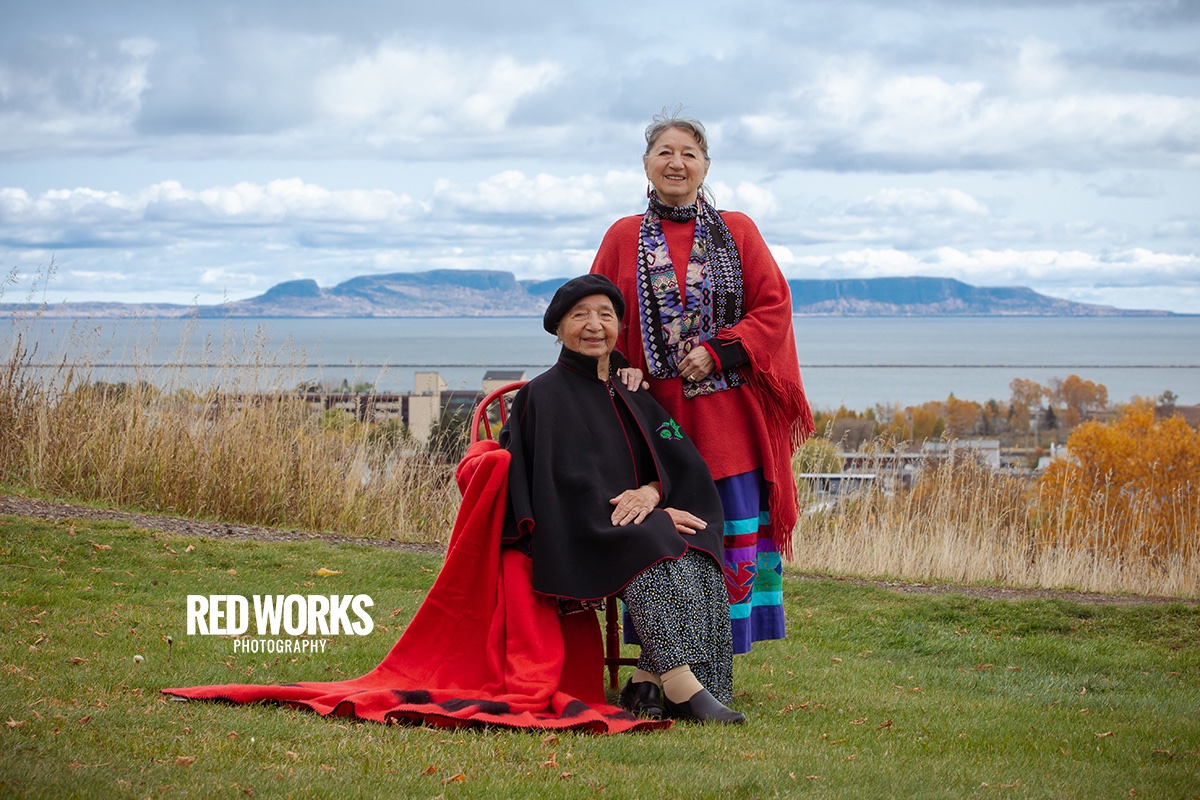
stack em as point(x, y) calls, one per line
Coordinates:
point(550, 740)
point(292, 756)
point(77, 660)
point(459, 778)
point(1105, 735)
point(231, 571)
point(184, 761)
point(85, 720)
point(887, 723)
point(325, 572)
point(566, 775)
point(12, 723)
point(191, 548)
point(858, 721)
point(431, 769)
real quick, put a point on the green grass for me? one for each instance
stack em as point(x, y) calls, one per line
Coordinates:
point(874, 694)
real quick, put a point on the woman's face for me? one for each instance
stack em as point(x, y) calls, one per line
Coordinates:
point(676, 167)
point(590, 327)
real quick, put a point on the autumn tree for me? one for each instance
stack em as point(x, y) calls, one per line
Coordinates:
point(1026, 401)
point(927, 421)
point(1079, 399)
point(962, 416)
point(1134, 482)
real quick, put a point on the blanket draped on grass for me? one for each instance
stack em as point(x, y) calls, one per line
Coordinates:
point(483, 649)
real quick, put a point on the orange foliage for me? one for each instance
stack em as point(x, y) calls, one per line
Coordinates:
point(1080, 398)
point(962, 416)
point(1131, 483)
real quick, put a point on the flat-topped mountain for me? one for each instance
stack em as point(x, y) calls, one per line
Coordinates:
point(937, 297)
point(491, 293)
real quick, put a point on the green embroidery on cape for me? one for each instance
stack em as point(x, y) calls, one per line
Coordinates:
point(669, 430)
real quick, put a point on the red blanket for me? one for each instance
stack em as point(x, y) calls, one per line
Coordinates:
point(483, 649)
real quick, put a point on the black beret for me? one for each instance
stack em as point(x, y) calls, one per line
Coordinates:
point(575, 290)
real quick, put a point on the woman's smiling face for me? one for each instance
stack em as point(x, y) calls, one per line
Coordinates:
point(676, 166)
point(590, 327)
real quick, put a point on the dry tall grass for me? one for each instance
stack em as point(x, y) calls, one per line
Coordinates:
point(962, 522)
point(173, 447)
point(165, 443)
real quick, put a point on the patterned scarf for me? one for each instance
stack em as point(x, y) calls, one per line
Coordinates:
point(673, 323)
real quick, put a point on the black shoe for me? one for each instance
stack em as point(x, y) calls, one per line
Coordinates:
point(643, 698)
point(703, 707)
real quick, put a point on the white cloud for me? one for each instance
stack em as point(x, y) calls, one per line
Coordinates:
point(403, 93)
point(206, 148)
point(916, 201)
point(513, 193)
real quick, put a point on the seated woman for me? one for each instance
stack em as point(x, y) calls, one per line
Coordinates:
point(609, 497)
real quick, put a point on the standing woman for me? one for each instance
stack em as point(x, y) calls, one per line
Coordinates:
point(709, 323)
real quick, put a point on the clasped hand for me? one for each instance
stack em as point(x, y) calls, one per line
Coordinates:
point(634, 505)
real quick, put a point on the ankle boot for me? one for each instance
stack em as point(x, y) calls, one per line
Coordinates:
point(643, 698)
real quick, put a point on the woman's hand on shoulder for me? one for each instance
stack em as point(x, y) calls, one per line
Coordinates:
point(685, 521)
point(632, 377)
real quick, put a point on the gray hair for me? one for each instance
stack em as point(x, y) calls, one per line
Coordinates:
point(666, 121)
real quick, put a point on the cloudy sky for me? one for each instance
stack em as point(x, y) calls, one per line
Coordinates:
point(195, 152)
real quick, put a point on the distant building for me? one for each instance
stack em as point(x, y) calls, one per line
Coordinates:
point(986, 451)
point(424, 404)
point(1190, 414)
point(420, 411)
point(493, 379)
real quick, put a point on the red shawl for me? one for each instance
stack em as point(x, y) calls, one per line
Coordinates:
point(736, 431)
point(483, 649)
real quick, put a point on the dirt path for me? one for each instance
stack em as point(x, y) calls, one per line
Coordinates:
point(41, 509)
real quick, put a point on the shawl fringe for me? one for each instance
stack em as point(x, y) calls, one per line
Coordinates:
point(790, 422)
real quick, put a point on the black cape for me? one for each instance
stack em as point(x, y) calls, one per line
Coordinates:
point(572, 451)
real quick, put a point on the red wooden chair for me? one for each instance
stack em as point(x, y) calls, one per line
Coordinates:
point(493, 409)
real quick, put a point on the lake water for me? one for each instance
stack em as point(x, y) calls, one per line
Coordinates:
point(858, 362)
